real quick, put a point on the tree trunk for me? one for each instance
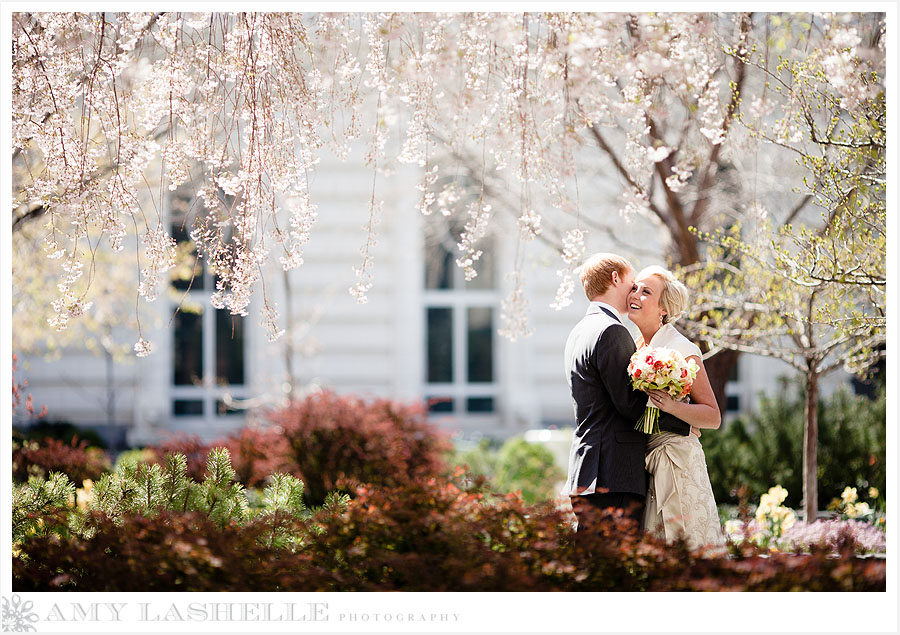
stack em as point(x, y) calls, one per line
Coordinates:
point(718, 369)
point(290, 377)
point(810, 446)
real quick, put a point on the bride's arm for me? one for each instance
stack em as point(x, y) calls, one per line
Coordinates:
point(702, 411)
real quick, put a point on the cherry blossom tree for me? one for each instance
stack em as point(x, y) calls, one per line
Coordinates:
point(111, 110)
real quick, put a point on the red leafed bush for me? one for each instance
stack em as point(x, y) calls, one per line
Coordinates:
point(257, 453)
point(333, 439)
point(169, 552)
point(433, 535)
point(194, 450)
point(328, 441)
point(75, 459)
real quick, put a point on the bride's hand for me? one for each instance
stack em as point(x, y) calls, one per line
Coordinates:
point(661, 400)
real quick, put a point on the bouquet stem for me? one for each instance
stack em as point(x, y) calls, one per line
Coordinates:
point(649, 421)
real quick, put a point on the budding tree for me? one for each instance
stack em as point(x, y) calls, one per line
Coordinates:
point(813, 297)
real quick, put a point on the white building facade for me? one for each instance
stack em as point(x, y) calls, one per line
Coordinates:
point(424, 335)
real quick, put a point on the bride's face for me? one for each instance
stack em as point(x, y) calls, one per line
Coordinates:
point(643, 301)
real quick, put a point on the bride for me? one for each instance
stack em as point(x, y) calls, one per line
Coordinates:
point(680, 499)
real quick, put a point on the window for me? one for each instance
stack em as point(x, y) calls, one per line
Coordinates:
point(733, 401)
point(460, 327)
point(207, 343)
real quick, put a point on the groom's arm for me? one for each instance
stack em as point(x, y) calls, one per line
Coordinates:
point(612, 355)
point(671, 423)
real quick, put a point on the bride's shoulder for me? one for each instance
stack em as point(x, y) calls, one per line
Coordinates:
point(684, 345)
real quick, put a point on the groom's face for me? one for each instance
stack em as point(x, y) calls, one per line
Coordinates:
point(626, 281)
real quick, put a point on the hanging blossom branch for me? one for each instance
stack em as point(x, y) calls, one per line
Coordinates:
point(113, 111)
point(377, 68)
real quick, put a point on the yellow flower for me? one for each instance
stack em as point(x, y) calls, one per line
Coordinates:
point(788, 519)
point(734, 527)
point(857, 510)
point(765, 508)
point(849, 495)
point(778, 493)
point(85, 495)
point(873, 492)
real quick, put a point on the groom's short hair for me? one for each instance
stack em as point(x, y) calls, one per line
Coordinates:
point(596, 273)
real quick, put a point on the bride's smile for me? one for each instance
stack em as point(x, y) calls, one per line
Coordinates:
point(643, 305)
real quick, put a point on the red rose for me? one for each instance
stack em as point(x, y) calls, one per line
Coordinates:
point(637, 373)
point(684, 372)
point(649, 359)
point(657, 365)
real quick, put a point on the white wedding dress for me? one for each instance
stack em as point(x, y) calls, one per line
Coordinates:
point(680, 499)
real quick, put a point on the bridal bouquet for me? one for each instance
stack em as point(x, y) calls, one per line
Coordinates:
point(660, 369)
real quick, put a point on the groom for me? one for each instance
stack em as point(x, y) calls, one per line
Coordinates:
point(606, 462)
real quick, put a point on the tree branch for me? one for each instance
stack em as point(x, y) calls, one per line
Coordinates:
point(20, 220)
point(713, 162)
point(627, 176)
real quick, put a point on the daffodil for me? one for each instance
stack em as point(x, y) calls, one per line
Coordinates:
point(858, 509)
point(778, 493)
point(734, 527)
point(849, 495)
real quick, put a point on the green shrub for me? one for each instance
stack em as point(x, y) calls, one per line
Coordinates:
point(40, 506)
point(134, 456)
point(516, 466)
point(767, 447)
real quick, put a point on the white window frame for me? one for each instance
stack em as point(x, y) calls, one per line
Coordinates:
point(208, 392)
point(459, 299)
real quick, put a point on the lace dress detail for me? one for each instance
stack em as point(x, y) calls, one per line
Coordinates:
point(680, 499)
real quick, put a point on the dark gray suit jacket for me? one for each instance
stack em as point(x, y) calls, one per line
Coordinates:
point(607, 452)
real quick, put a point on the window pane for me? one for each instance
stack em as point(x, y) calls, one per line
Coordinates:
point(229, 348)
point(481, 345)
point(188, 353)
point(187, 263)
point(440, 404)
point(732, 403)
point(480, 404)
point(439, 264)
point(440, 345)
point(187, 407)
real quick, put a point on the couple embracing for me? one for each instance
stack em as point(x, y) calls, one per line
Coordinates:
point(659, 480)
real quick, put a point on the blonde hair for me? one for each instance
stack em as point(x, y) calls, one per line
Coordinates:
point(674, 297)
point(596, 273)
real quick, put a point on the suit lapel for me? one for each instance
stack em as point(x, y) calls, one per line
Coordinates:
point(611, 314)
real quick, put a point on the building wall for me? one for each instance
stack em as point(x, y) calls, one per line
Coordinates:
point(372, 349)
